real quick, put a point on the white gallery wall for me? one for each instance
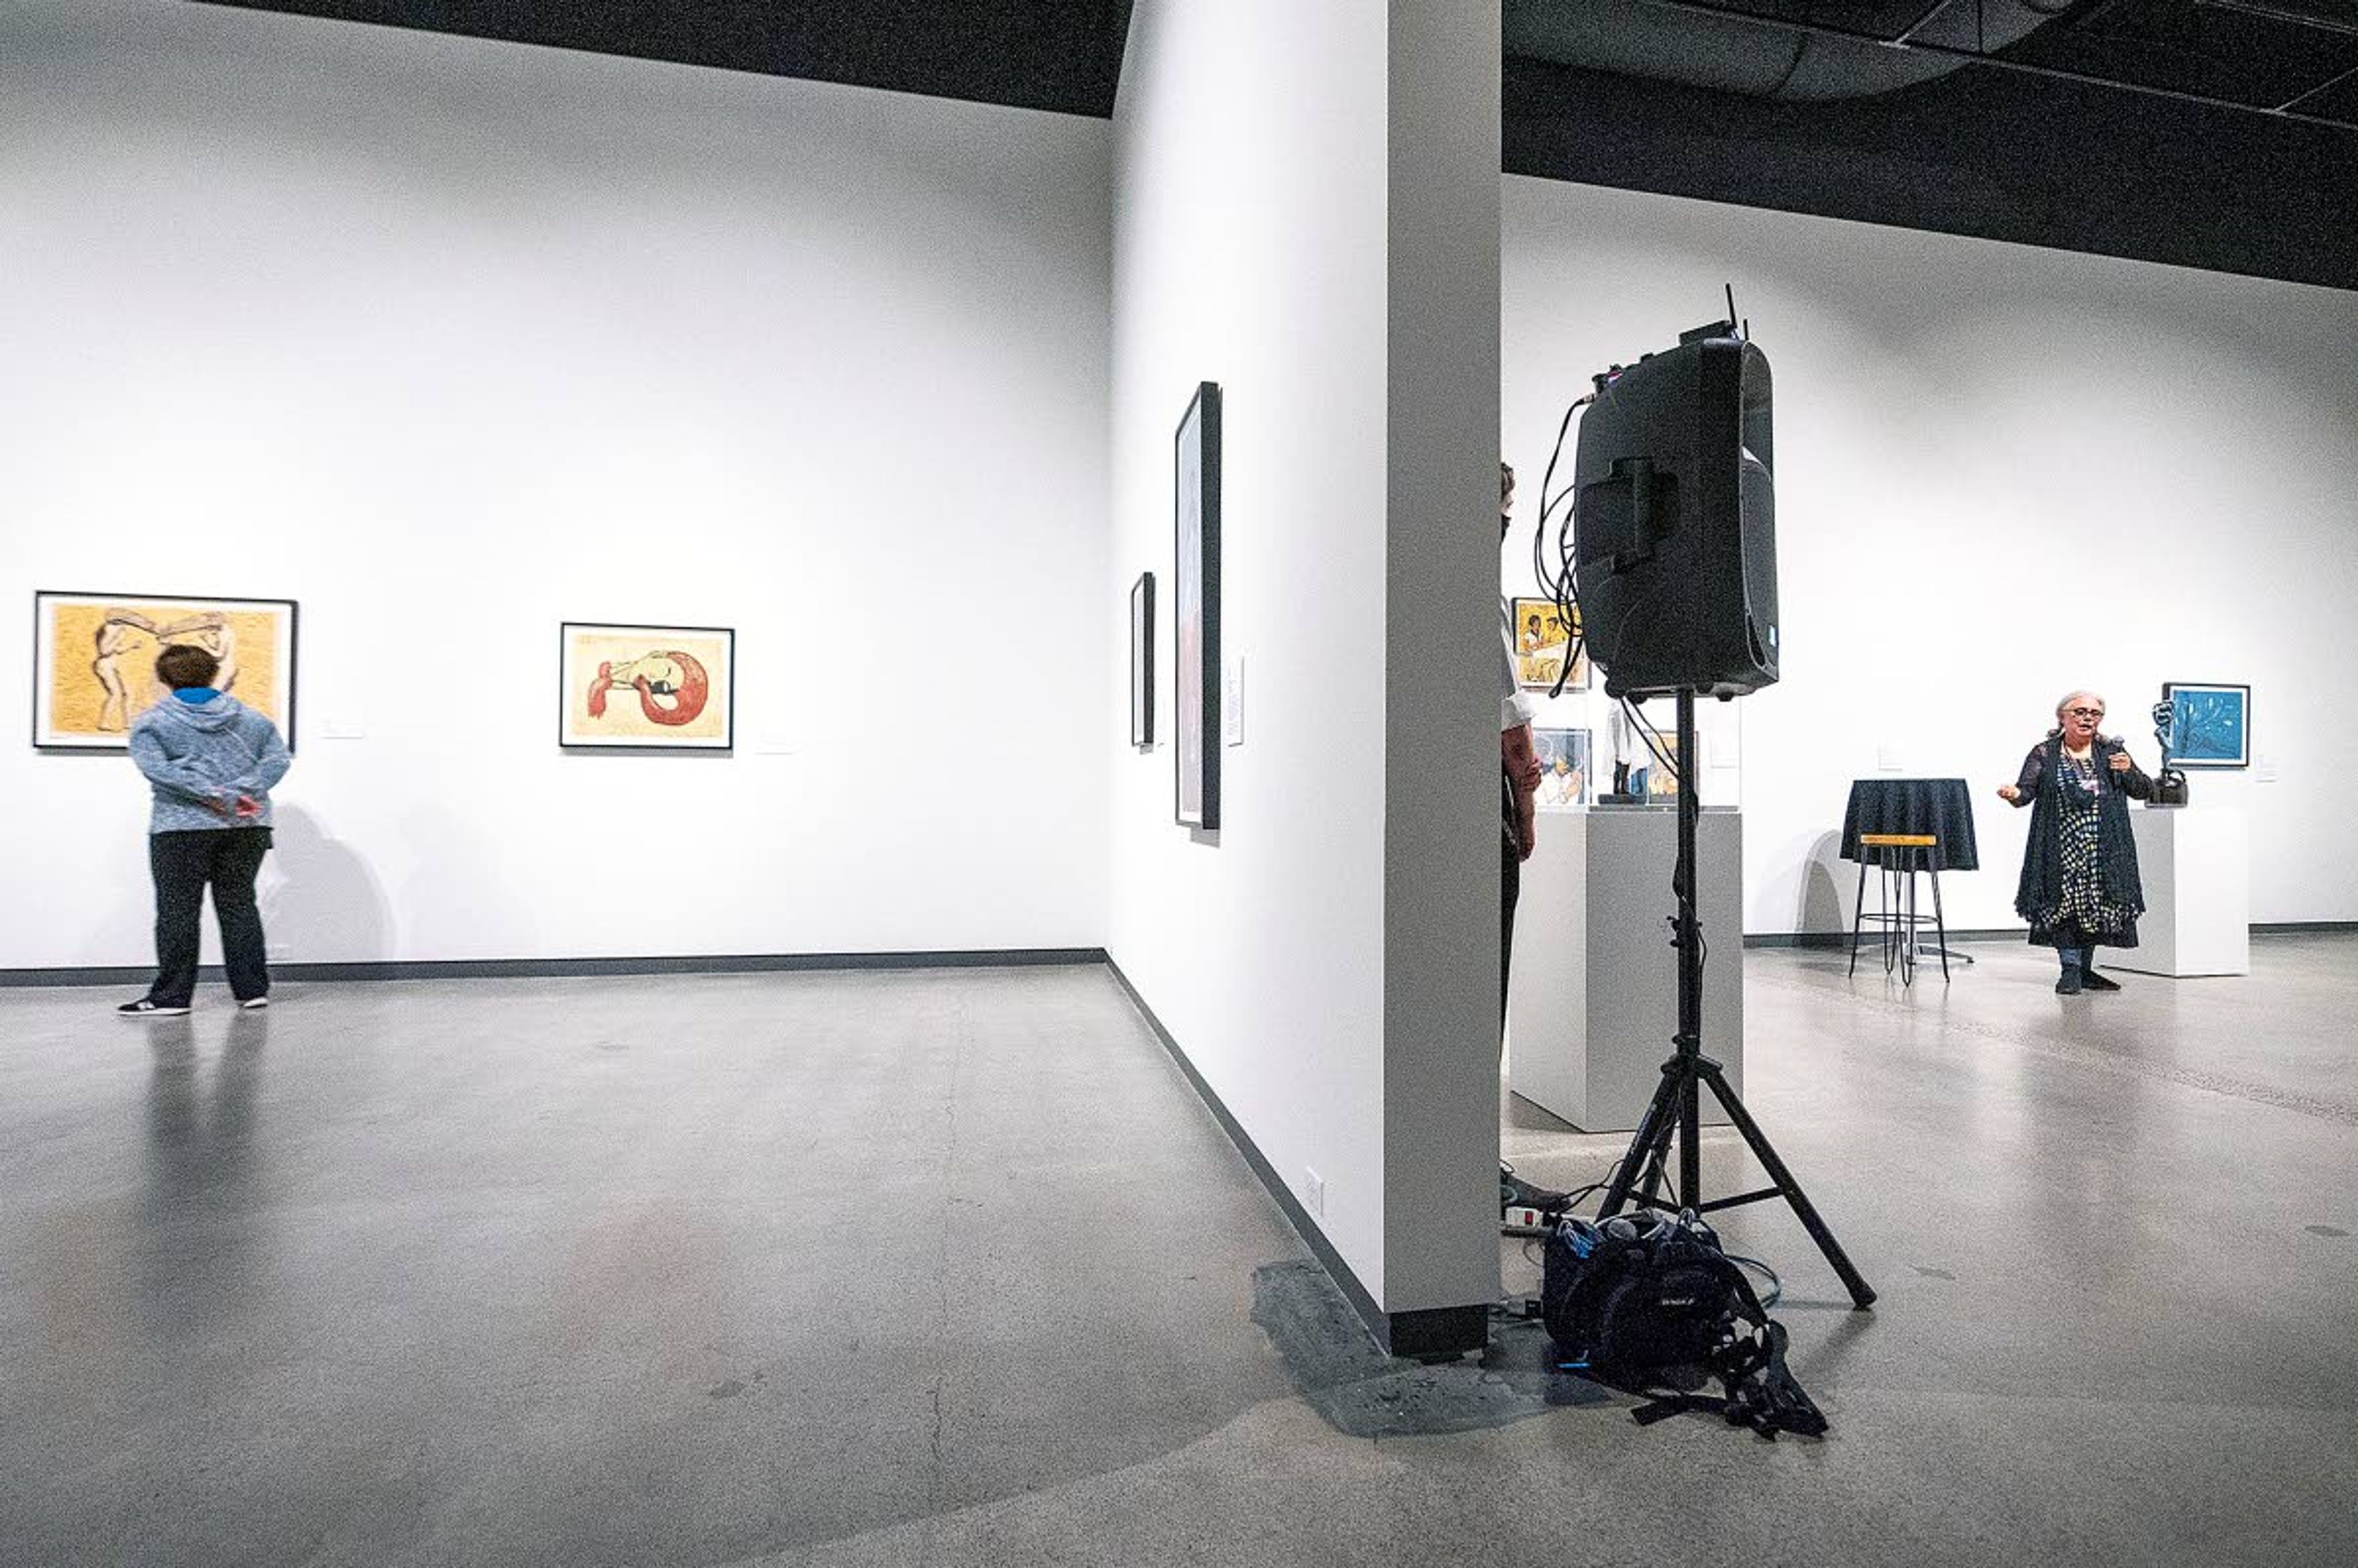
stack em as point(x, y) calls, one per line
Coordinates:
point(1305, 213)
point(452, 341)
point(2001, 473)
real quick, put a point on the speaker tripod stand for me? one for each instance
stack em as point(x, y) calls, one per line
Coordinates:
point(1677, 1106)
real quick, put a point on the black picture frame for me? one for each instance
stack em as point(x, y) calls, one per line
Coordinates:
point(2176, 692)
point(1141, 661)
point(41, 657)
point(725, 743)
point(1195, 613)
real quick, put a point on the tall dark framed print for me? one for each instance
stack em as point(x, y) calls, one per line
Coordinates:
point(1195, 673)
point(1141, 661)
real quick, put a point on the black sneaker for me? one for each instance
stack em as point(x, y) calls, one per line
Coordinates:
point(2070, 984)
point(2096, 982)
point(144, 1007)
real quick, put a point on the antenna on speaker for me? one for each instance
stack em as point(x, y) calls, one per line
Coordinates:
point(1721, 328)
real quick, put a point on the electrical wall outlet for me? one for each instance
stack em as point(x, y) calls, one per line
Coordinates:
point(1314, 1191)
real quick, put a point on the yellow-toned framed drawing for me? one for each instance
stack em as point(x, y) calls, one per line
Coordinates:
point(94, 660)
point(1542, 638)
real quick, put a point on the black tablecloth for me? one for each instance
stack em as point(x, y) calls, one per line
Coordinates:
point(1942, 808)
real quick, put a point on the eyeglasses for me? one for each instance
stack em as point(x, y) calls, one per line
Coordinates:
point(2084, 712)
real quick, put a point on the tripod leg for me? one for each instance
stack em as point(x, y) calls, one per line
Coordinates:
point(1862, 1294)
point(1690, 1142)
point(1652, 1136)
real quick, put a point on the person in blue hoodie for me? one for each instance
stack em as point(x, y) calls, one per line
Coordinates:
point(212, 761)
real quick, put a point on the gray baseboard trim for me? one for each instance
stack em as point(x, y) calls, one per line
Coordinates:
point(575, 969)
point(1841, 939)
point(1437, 1331)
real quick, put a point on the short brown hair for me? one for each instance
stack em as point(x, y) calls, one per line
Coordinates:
point(180, 666)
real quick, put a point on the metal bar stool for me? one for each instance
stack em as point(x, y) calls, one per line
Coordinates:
point(1898, 858)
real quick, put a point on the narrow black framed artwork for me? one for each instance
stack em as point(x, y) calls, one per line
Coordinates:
point(1195, 673)
point(1141, 661)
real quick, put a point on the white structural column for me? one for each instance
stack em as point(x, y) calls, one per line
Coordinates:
point(1441, 790)
point(1307, 212)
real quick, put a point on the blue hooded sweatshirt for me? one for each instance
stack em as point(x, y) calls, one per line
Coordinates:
point(211, 752)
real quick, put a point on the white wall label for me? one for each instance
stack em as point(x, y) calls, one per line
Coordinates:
point(347, 727)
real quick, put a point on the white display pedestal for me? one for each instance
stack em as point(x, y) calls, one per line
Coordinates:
point(2196, 864)
point(1593, 999)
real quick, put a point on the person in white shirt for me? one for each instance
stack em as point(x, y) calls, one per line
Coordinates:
point(1518, 783)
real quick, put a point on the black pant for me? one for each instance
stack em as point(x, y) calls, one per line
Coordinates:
point(229, 859)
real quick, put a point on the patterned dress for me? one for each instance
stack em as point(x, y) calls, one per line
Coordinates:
point(2084, 913)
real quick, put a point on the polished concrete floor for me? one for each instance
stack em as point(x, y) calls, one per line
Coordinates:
point(951, 1267)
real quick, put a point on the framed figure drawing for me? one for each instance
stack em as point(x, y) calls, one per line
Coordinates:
point(1542, 640)
point(1565, 770)
point(662, 688)
point(2210, 725)
point(94, 660)
point(1141, 661)
point(1195, 673)
point(1661, 780)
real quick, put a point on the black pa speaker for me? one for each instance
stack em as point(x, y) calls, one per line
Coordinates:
point(1674, 530)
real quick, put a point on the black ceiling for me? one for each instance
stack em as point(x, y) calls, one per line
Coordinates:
point(1062, 55)
point(2219, 133)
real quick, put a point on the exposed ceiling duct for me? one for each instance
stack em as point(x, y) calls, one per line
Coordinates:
point(1763, 56)
point(2291, 59)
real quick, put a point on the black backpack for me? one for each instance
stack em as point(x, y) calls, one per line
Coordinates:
point(1649, 1303)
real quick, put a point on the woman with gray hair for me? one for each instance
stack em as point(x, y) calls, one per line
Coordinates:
point(2079, 889)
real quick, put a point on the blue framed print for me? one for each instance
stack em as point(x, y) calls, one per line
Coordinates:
point(2210, 725)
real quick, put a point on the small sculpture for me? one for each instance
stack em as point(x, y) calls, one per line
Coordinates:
point(2169, 784)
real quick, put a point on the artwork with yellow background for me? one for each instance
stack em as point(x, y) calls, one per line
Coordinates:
point(1542, 640)
point(668, 687)
point(95, 659)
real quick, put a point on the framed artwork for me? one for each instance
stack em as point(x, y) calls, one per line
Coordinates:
point(1141, 661)
point(94, 660)
point(1564, 771)
point(1542, 639)
point(1661, 783)
point(658, 689)
point(1196, 526)
point(2210, 725)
